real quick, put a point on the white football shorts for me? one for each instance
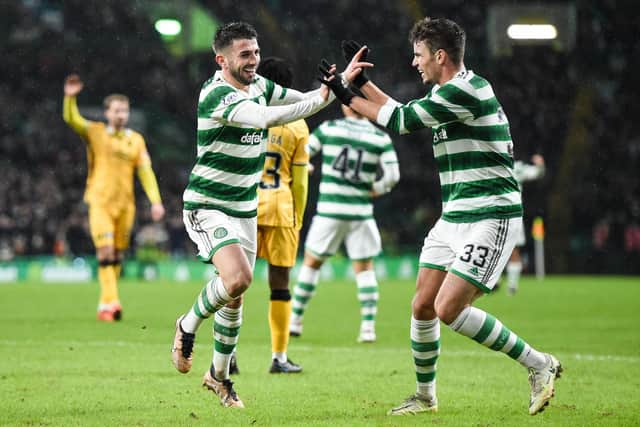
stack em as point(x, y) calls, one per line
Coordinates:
point(477, 251)
point(212, 229)
point(361, 238)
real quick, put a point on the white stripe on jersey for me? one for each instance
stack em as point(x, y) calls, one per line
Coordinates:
point(467, 175)
point(363, 134)
point(467, 145)
point(482, 201)
point(345, 209)
point(227, 178)
point(331, 188)
point(233, 150)
point(195, 197)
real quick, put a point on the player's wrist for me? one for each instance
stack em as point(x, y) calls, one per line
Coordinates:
point(360, 80)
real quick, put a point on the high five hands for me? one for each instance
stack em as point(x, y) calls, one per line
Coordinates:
point(353, 73)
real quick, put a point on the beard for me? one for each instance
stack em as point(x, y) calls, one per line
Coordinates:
point(240, 77)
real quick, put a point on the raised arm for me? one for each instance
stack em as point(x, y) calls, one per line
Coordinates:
point(70, 112)
point(150, 184)
point(259, 116)
point(451, 102)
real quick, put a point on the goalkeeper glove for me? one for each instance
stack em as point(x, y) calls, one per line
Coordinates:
point(343, 93)
point(349, 49)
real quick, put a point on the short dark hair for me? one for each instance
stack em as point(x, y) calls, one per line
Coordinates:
point(114, 97)
point(440, 33)
point(232, 31)
point(277, 70)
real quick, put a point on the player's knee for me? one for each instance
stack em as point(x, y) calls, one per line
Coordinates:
point(311, 261)
point(238, 282)
point(423, 309)
point(446, 310)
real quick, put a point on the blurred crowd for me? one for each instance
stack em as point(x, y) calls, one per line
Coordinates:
point(114, 48)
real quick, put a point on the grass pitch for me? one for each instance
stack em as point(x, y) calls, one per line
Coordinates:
point(60, 367)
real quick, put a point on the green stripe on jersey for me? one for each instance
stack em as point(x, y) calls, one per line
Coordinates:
point(269, 88)
point(222, 191)
point(456, 96)
point(192, 206)
point(478, 82)
point(486, 187)
point(490, 133)
point(339, 198)
point(425, 346)
point(473, 160)
point(213, 99)
point(237, 165)
point(474, 215)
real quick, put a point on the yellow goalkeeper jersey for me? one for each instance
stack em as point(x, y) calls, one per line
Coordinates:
point(112, 160)
point(285, 148)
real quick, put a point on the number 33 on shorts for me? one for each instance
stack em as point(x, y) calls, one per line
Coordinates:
point(482, 263)
point(477, 252)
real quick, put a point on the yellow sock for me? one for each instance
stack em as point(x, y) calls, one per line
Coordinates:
point(279, 316)
point(108, 284)
point(118, 269)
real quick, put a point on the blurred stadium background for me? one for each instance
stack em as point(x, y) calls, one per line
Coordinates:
point(571, 98)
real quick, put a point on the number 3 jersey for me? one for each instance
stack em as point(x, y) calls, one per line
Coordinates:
point(286, 147)
point(352, 150)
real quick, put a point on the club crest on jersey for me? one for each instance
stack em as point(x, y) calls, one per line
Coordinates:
point(253, 138)
point(230, 98)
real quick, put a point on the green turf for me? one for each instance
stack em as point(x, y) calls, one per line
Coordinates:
point(60, 367)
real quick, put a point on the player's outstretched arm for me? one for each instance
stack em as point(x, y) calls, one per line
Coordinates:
point(70, 112)
point(263, 117)
point(356, 56)
point(340, 89)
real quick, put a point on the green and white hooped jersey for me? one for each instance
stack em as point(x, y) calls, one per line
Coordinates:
point(351, 151)
point(471, 144)
point(230, 156)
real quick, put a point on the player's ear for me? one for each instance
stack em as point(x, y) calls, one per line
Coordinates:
point(220, 60)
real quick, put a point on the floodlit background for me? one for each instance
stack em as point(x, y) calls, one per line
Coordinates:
point(565, 73)
point(563, 70)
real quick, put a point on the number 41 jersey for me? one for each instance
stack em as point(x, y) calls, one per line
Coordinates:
point(286, 147)
point(352, 150)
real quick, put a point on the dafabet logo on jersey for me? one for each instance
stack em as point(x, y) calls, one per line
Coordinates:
point(253, 138)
